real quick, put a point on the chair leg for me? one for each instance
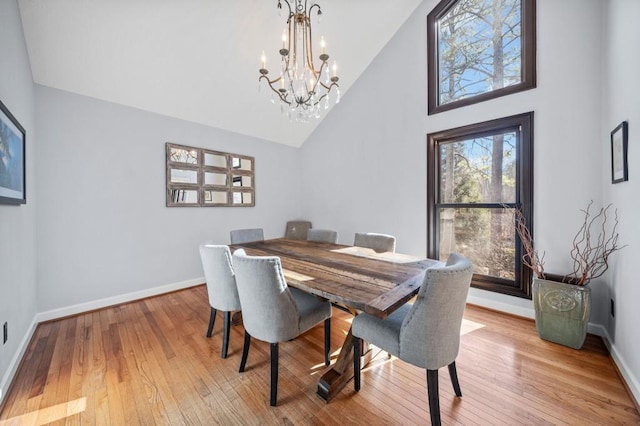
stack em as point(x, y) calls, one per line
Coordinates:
point(274, 374)
point(245, 351)
point(434, 397)
point(225, 333)
point(327, 341)
point(212, 320)
point(453, 373)
point(357, 344)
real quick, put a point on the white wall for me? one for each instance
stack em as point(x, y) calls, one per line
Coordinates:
point(104, 230)
point(621, 102)
point(17, 223)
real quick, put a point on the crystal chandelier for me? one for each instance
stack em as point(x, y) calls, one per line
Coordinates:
point(301, 88)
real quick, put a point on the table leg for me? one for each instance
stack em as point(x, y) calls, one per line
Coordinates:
point(236, 318)
point(339, 374)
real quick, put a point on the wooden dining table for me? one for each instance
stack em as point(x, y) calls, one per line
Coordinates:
point(355, 278)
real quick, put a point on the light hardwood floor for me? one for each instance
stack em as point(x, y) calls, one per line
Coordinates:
point(149, 362)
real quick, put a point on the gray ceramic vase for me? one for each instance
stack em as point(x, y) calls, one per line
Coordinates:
point(562, 311)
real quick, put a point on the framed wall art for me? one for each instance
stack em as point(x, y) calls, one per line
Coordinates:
point(12, 159)
point(619, 142)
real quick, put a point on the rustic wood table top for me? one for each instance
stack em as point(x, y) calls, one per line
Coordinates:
point(357, 277)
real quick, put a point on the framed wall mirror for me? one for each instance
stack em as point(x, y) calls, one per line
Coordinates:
point(199, 177)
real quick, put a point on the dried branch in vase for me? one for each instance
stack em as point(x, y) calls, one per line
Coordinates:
point(590, 253)
point(591, 258)
point(531, 257)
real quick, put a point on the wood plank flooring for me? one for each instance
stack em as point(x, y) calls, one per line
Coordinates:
point(149, 362)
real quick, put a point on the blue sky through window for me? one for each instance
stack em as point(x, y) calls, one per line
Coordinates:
point(467, 63)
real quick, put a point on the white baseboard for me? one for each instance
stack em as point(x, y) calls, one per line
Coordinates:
point(497, 305)
point(8, 375)
point(596, 329)
point(521, 311)
point(630, 379)
point(53, 314)
point(115, 300)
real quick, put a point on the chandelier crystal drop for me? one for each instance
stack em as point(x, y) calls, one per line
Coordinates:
point(302, 88)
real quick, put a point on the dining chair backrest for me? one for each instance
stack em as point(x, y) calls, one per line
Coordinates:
point(377, 242)
point(272, 312)
point(425, 333)
point(269, 312)
point(219, 276)
point(430, 333)
point(239, 236)
point(322, 235)
point(297, 229)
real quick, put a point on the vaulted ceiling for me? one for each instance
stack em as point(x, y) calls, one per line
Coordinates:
point(195, 60)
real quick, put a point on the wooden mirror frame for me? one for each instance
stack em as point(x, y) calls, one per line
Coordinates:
point(231, 184)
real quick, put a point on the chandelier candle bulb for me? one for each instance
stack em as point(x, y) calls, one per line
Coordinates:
point(323, 45)
point(264, 61)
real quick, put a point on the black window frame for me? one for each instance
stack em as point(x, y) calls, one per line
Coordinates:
point(528, 55)
point(523, 125)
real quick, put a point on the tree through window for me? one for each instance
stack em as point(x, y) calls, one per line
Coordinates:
point(478, 50)
point(477, 175)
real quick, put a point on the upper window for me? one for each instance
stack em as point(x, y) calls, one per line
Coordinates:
point(478, 175)
point(479, 50)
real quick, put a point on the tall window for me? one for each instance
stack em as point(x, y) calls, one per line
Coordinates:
point(478, 50)
point(477, 175)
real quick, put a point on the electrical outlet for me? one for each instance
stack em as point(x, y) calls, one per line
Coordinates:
point(5, 332)
point(613, 308)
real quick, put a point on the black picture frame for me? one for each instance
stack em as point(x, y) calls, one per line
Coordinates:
point(619, 146)
point(12, 159)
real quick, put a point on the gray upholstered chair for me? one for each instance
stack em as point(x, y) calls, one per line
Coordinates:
point(273, 312)
point(221, 287)
point(322, 235)
point(425, 333)
point(297, 229)
point(378, 242)
point(239, 236)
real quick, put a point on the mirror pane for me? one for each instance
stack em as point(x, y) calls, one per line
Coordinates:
point(242, 198)
point(244, 181)
point(215, 197)
point(241, 163)
point(180, 155)
point(219, 179)
point(215, 160)
point(184, 196)
point(184, 176)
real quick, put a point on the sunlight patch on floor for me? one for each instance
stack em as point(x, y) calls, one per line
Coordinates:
point(321, 368)
point(48, 415)
point(469, 326)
